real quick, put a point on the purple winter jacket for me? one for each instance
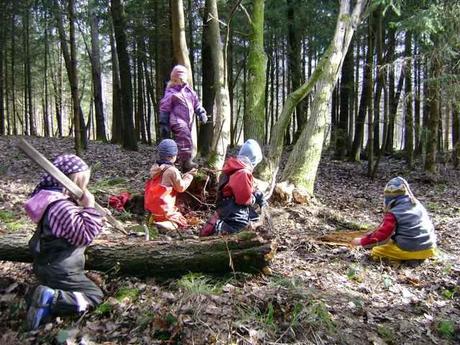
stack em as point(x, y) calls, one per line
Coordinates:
point(180, 101)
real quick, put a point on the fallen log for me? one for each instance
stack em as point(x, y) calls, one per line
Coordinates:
point(244, 252)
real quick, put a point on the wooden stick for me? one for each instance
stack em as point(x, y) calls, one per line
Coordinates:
point(67, 183)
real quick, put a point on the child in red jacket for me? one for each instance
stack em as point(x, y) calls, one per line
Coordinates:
point(236, 194)
point(164, 184)
point(406, 232)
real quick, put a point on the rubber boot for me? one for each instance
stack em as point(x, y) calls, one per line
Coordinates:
point(188, 165)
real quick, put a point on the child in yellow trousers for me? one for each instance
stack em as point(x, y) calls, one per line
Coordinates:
point(406, 232)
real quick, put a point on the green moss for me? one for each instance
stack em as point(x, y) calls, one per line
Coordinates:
point(10, 220)
point(446, 328)
point(103, 309)
point(386, 333)
point(126, 293)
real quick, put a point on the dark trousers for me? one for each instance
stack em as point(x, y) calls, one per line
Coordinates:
point(65, 301)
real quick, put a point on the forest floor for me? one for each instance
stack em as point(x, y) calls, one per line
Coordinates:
point(318, 293)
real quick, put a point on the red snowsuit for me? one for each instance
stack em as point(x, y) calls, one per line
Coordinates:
point(161, 191)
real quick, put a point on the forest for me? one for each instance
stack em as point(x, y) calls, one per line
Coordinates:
point(342, 96)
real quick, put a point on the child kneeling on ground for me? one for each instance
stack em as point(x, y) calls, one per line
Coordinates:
point(65, 228)
point(236, 194)
point(164, 184)
point(406, 232)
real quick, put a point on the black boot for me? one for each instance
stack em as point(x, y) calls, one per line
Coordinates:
point(188, 165)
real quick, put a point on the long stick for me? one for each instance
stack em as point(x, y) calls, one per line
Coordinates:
point(67, 183)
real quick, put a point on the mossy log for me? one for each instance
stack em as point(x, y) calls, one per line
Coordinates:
point(244, 252)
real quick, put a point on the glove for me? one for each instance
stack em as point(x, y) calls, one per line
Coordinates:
point(260, 198)
point(164, 125)
point(201, 113)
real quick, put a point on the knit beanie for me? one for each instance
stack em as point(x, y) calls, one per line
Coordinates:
point(179, 72)
point(396, 188)
point(69, 164)
point(167, 148)
point(252, 151)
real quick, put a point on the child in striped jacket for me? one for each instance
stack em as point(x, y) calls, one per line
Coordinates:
point(65, 227)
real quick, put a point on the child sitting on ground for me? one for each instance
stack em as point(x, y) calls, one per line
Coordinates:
point(236, 194)
point(65, 228)
point(406, 232)
point(164, 184)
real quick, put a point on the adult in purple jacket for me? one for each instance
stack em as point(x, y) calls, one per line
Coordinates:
point(177, 109)
point(65, 227)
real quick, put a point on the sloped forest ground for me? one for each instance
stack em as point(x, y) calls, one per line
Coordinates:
point(318, 293)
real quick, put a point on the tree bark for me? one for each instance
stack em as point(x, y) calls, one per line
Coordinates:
point(117, 108)
point(409, 119)
point(119, 23)
point(2, 79)
point(456, 134)
point(433, 96)
point(206, 130)
point(254, 115)
point(96, 75)
point(245, 252)
point(179, 42)
point(302, 165)
point(346, 90)
point(304, 159)
point(221, 137)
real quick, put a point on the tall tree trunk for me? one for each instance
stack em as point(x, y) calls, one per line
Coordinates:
point(119, 23)
point(72, 73)
point(303, 161)
point(206, 130)
point(294, 64)
point(13, 74)
point(378, 17)
point(433, 97)
point(346, 90)
point(96, 74)
point(46, 119)
point(117, 108)
point(221, 137)
point(140, 116)
point(355, 152)
point(254, 114)
point(417, 117)
point(2, 79)
point(456, 134)
point(409, 119)
point(370, 125)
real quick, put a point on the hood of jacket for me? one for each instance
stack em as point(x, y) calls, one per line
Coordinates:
point(36, 206)
point(158, 169)
point(236, 163)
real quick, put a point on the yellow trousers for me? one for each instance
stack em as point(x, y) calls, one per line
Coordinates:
point(391, 251)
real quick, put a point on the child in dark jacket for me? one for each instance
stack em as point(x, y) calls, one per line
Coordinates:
point(406, 232)
point(165, 182)
point(236, 194)
point(177, 109)
point(65, 227)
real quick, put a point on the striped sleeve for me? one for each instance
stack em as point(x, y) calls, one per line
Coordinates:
point(75, 224)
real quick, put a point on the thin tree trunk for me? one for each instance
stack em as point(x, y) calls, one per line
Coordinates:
point(117, 108)
point(346, 90)
point(433, 121)
point(2, 79)
point(378, 17)
point(254, 113)
point(221, 137)
point(13, 74)
point(206, 130)
point(370, 91)
point(179, 42)
point(303, 161)
point(409, 119)
point(456, 134)
point(96, 75)
point(46, 120)
point(119, 23)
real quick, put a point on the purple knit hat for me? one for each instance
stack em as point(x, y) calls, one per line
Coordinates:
point(68, 164)
point(167, 148)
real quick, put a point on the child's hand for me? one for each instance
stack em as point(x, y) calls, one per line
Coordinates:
point(87, 199)
point(192, 172)
point(356, 241)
